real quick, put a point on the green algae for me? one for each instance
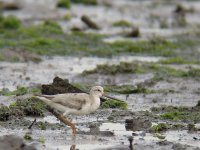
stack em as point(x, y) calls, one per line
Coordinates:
point(28, 137)
point(28, 107)
point(184, 114)
point(160, 127)
point(114, 104)
point(178, 60)
point(9, 23)
point(126, 89)
point(122, 23)
point(155, 46)
point(42, 140)
point(49, 39)
point(85, 2)
point(4, 113)
point(64, 3)
point(137, 68)
point(123, 67)
point(160, 71)
point(20, 91)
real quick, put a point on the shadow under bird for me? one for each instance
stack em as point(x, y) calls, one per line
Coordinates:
point(75, 103)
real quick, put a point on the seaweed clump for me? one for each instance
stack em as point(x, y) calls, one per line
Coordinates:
point(9, 22)
point(114, 104)
point(28, 107)
point(64, 4)
point(4, 113)
point(127, 89)
point(184, 114)
point(86, 2)
point(160, 127)
point(123, 67)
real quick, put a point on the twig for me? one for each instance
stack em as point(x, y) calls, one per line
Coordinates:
point(34, 121)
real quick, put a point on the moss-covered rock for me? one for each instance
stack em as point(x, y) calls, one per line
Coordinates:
point(198, 104)
point(20, 91)
point(5, 113)
point(122, 23)
point(160, 127)
point(28, 107)
point(85, 2)
point(28, 137)
point(193, 72)
point(127, 89)
point(123, 67)
point(178, 60)
point(64, 3)
point(9, 22)
point(138, 68)
point(184, 114)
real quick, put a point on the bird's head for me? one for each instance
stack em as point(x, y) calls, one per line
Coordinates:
point(97, 91)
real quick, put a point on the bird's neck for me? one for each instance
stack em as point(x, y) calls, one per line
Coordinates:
point(93, 96)
point(95, 99)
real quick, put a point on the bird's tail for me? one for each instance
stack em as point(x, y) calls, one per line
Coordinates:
point(44, 99)
point(47, 99)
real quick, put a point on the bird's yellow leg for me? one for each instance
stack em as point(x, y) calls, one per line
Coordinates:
point(63, 119)
point(67, 122)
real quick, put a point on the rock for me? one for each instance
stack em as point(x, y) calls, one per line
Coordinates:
point(9, 6)
point(135, 32)
point(178, 146)
point(59, 86)
point(4, 113)
point(76, 29)
point(137, 124)
point(164, 143)
point(91, 24)
point(12, 142)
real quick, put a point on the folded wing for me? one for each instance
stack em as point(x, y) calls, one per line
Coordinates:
point(73, 101)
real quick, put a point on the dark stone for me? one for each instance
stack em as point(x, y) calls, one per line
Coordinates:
point(137, 124)
point(135, 32)
point(59, 86)
point(4, 113)
point(91, 24)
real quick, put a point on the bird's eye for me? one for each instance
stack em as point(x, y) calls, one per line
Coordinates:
point(99, 90)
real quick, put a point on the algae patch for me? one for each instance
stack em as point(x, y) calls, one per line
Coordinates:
point(4, 113)
point(20, 91)
point(122, 23)
point(9, 22)
point(178, 60)
point(85, 2)
point(123, 67)
point(64, 4)
point(159, 70)
point(28, 137)
point(28, 107)
point(114, 104)
point(20, 108)
point(185, 114)
point(127, 89)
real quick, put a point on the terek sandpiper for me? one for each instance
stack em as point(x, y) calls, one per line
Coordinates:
point(75, 103)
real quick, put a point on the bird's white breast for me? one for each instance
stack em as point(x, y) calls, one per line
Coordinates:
point(95, 105)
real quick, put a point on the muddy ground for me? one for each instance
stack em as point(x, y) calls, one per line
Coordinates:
point(162, 89)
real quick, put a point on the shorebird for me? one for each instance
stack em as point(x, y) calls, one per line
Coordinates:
point(74, 103)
